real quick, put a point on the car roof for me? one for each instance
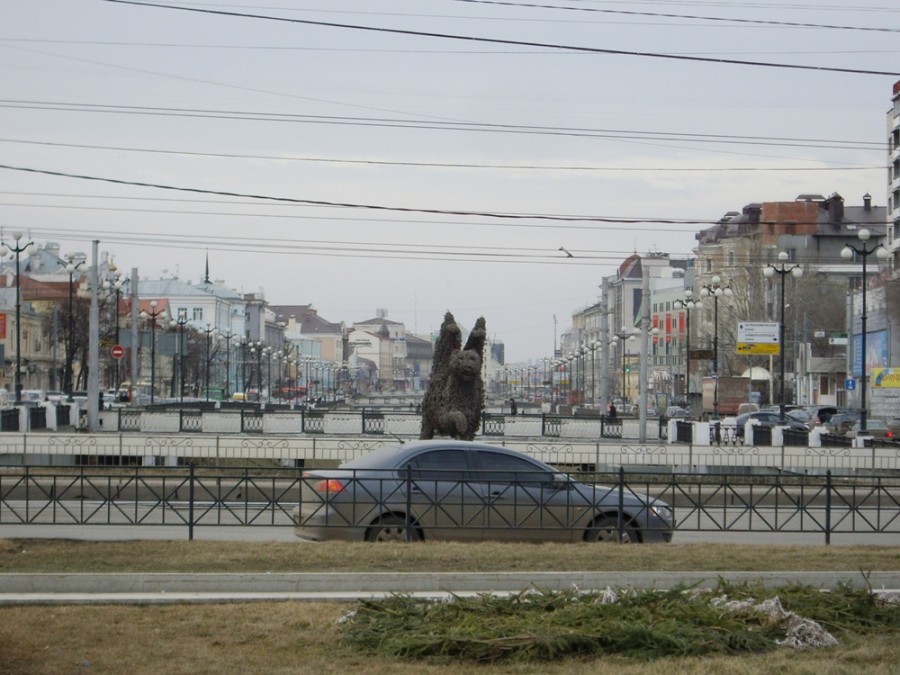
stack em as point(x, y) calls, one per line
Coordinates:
point(394, 455)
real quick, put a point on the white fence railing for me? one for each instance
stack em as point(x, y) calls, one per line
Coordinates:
point(164, 448)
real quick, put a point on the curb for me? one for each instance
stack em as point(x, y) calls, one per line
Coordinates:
point(18, 589)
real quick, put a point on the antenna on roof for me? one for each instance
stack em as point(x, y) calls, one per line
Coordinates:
point(206, 278)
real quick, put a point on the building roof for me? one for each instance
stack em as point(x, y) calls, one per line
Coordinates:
point(378, 321)
point(176, 288)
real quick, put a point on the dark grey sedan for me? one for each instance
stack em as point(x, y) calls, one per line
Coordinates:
point(461, 490)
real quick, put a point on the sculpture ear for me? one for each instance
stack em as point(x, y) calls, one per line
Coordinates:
point(477, 337)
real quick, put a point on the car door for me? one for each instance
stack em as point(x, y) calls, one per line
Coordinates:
point(442, 499)
point(525, 502)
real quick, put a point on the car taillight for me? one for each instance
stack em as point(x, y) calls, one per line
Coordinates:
point(328, 486)
point(889, 434)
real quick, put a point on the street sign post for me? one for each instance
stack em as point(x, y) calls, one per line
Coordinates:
point(756, 337)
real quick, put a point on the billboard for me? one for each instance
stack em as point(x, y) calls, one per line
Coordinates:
point(876, 352)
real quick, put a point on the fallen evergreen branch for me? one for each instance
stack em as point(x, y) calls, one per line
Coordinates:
point(535, 625)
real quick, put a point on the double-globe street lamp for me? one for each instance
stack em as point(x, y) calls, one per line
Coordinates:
point(227, 336)
point(687, 303)
point(30, 248)
point(863, 252)
point(68, 375)
point(619, 339)
point(153, 315)
point(715, 290)
point(210, 333)
point(116, 286)
point(592, 348)
point(180, 323)
point(782, 269)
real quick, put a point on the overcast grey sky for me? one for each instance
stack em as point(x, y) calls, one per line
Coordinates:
point(398, 163)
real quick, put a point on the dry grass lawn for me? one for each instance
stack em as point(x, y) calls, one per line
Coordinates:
point(43, 555)
point(274, 638)
point(303, 637)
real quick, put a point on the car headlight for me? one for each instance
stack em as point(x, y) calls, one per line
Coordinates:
point(663, 512)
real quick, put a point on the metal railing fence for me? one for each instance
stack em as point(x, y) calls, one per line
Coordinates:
point(192, 497)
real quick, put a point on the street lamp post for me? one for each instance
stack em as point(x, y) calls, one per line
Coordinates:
point(782, 270)
point(863, 252)
point(18, 249)
point(619, 340)
point(716, 291)
point(259, 351)
point(180, 322)
point(244, 347)
point(592, 347)
point(153, 315)
point(210, 332)
point(116, 286)
point(268, 374)
point(227, 336)
point(687, 303)
point(68, 375)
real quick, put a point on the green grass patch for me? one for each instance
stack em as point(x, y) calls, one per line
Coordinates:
point(539, 626)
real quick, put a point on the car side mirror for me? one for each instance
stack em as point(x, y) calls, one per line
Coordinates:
point(561, 481)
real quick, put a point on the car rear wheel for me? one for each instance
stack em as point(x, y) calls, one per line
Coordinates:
point(606, 529)
point(390, 528)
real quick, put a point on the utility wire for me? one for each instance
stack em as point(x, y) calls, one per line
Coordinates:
point(518, 43)
point(438, 165)
point(318, 202)
point(693, 17)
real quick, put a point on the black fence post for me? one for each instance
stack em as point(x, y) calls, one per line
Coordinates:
point(408, 503)
point(828, 508)
point(191, 503)
point(620, 520)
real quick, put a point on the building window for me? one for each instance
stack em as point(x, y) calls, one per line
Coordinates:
point(731, 258)
point(198, 314)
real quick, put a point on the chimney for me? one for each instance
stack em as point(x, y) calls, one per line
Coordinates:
point(835, 206)
point(867, 202)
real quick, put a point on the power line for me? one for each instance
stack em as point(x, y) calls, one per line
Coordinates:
point(440, 165)
point(373, 207)
point(500, 41)
point(318, 202)
point(693, 17)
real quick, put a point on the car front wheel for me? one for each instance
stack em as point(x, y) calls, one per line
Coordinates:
point(606, 529)
point(390, 528)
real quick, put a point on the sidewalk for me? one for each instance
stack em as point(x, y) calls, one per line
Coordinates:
point(49, 589)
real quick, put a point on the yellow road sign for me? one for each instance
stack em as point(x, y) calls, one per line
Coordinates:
point(757, 348)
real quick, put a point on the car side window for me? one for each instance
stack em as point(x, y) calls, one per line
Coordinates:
point(439, 465)
point(499, 468)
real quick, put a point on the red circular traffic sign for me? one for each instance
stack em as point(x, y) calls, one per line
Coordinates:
point(118, 351)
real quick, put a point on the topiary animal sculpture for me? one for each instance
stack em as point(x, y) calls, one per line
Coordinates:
point(455, 398)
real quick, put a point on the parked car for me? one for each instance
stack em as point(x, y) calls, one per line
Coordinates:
point(467, 491)
point(803, 416)
point(651, 410)
point(677, 412)
point(840, 423)
point(821, 414)
point(767, 419)
point(875, 428)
